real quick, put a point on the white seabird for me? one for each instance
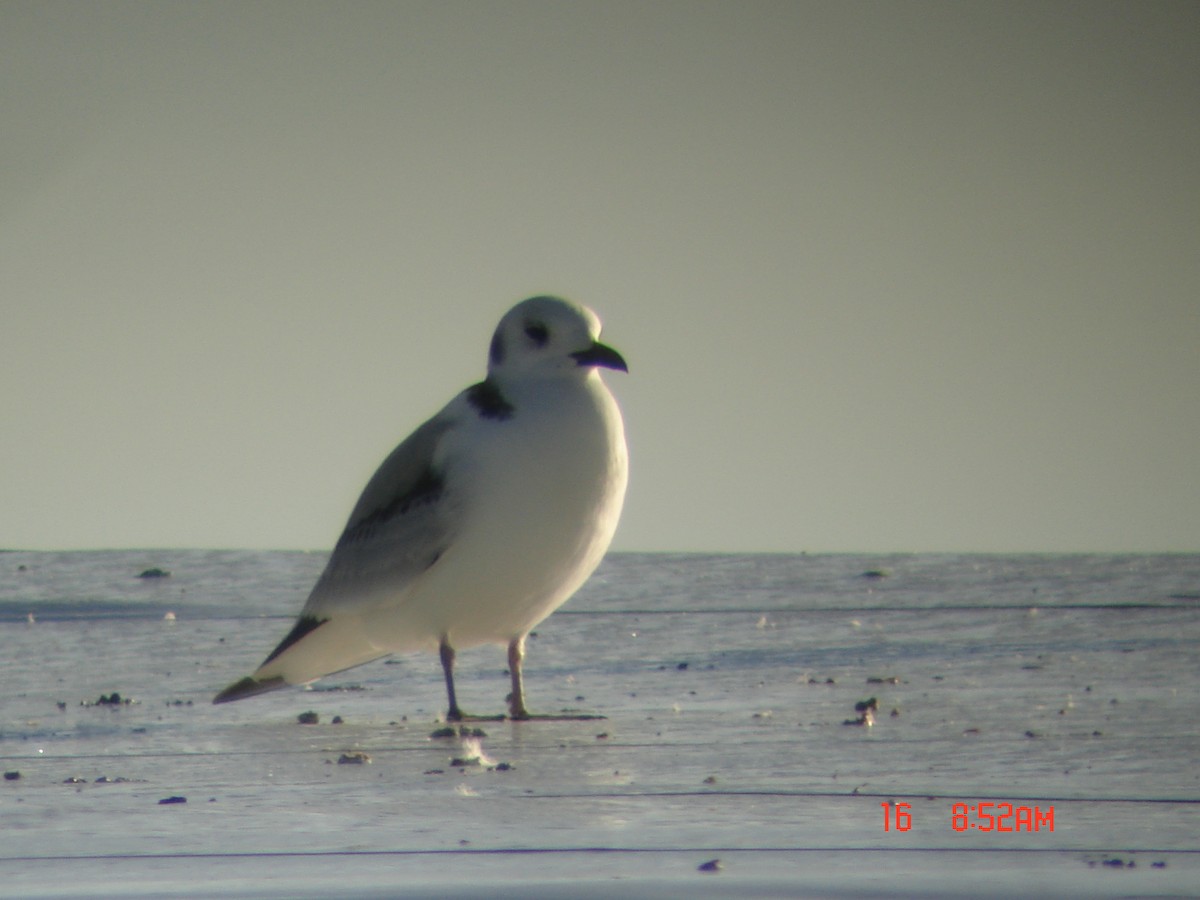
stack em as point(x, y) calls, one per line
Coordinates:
point(484, 521)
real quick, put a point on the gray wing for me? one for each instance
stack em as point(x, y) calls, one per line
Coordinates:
point(402, 523)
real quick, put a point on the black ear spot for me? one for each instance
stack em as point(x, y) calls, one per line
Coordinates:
point(496, 351)
point(538, 333)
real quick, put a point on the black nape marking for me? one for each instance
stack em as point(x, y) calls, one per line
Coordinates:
point(488, 401)
point(537, 332)
point(304, 627)
point(496, 350)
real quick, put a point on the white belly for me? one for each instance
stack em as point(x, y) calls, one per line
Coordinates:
point(547, 501)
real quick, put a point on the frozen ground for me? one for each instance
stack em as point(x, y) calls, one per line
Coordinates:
point(1048, 683)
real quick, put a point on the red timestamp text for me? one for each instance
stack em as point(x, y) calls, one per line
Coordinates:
point(986, 815)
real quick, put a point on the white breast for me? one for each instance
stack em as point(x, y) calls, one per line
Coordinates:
point(542, 496)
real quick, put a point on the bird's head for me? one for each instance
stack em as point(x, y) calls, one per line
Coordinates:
point(549, 336)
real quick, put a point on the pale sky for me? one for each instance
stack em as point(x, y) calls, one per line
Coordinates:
point(889, 276)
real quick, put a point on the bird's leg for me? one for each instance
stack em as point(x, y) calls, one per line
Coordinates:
point(516, 700)
point(454, 714)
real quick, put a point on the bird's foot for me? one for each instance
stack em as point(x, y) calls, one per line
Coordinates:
point(565, 716)
point(457, 715)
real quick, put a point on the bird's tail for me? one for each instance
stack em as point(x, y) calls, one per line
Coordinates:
point(313, 649)
point(249, 687)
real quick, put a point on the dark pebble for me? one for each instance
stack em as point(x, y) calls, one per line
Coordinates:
point(113, 699)
point(308, 718)
point(165, 801)
point(713, 865)
point(155, 573)
point(12, 776)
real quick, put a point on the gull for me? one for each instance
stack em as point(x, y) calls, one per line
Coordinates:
point(482, 522)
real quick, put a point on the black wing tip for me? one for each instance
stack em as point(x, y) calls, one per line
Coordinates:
point(304, 626)
point(249, 687)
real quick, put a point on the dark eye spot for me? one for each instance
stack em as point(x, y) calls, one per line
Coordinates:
point(538, 333)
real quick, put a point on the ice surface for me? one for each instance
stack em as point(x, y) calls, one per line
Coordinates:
point(1047, 681)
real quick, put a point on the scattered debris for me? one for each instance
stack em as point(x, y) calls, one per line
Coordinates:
point(354, 758)
point(155, 573)
point(875, 574)
point(165, 801)
point(334, 688)
point(713, 865)
point(866, 710)
point(472, 754)
point(461, 732)
point(113, 699)
point(1114, 863)
point(883, 679)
